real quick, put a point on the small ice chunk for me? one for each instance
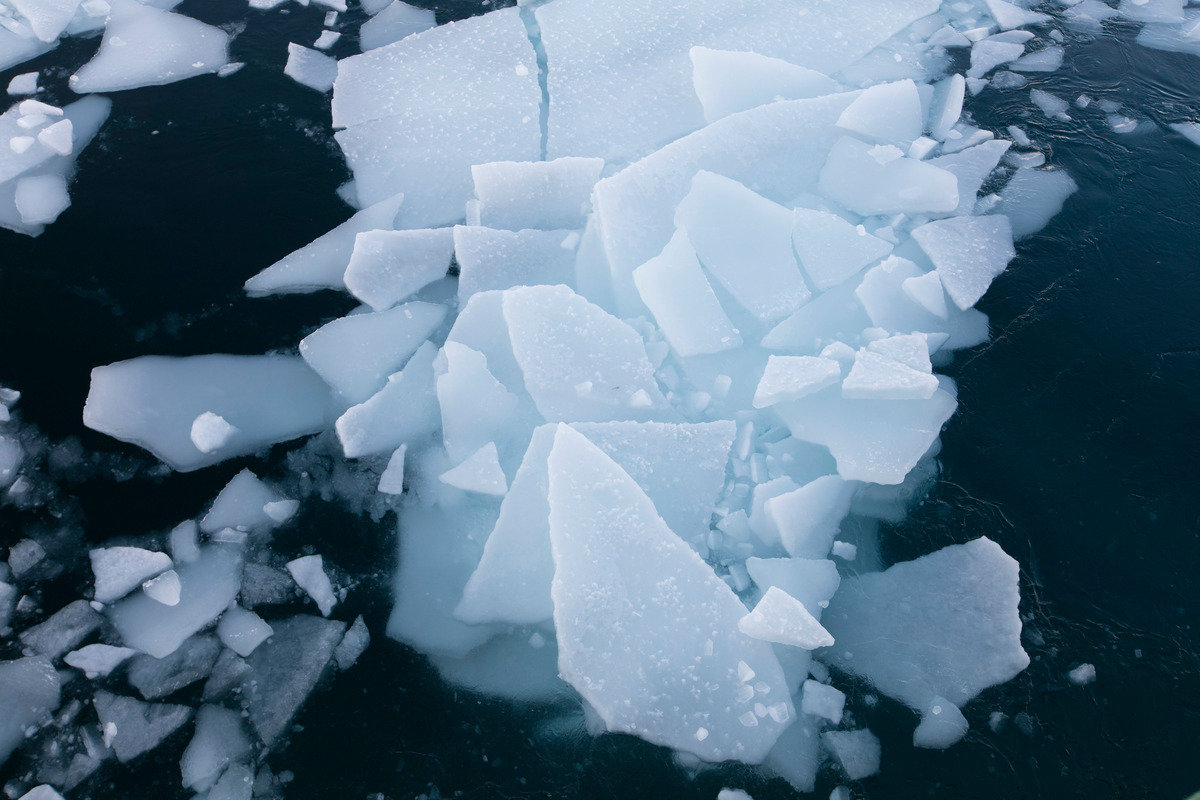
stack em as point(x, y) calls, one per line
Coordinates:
point(1033, 197)
point(822, 700)
point(808, 517)
point(887, 113)
point(97, 660)
point(164, 589)
point(927, 292)
point(326, 40)
point(309, 574)
point(41, 198)
point(989, 54)
point(733, 794)
point(310, 68)
point(242, 505)
point(845, 551)
point(1009, 15)
point(120, 570)
point(392, 479)
point(857, 752)
point(968, 253)
point(137, 727)
point(21, 144)
point(183, 542)
point(792, 377)
point(42, 792)
point(160, 677)
point(25, 83)
point(58, 137)
point(242, 631)
point(942, 725)
point(480, 473)
point(1052, 106)
point(782, 619)
point(353, 644)
point(1082, 675)
point(1047, 59)
point(389, 266)
point(210, 432)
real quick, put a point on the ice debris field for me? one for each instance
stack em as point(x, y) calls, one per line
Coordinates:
point(652, 297)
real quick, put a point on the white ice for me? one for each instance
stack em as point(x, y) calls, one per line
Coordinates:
point(120, 570)
point(309, 574)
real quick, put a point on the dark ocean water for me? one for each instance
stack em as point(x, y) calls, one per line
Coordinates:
point(1075, 446)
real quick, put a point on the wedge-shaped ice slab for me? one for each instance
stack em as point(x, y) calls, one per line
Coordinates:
point(728, 81)
point(831, 249)
point(745, 241)
point(85, 117)
point(889, 306)
point(419, 113)
point(1033, 197)
point(972, 167)
point(622, 94)
point(310, 68)
point(404, 411)
point(356, 354)
point(888, 113)
point(877, 441)
point(792, 377)
point(146, 46)
point(875, 376)
point(208, 586)
point(41, 198)
point(309, 574)
point(943, 625)
point(680, 467)
point(674, 288)
point(547, 195)
point(393, 23)
point(579, 363)
point(491, 258)
point(389, 266)
point(644, 624)
point(120, 570)
point(808, 518)
point(247, 504)
point(780, 618)
point(811, 581)
point(877, 180)
point(47, 18)
point(152, 401)
point(29, 688)
point(476, 408)
point(968, 253)
point(219, 741)
point(775, 150)
point(479, 473)
point(322, 264)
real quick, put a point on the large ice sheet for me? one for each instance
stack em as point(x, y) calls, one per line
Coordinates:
point(621, 95)
point(146, 46)
point(152, 401)
point(943, 625)
point(420, 112)
point(643, 624)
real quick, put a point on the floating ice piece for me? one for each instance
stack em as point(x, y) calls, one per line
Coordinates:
point(561, 342)
point(548, 195)
point(147, 46)
point(1082, 675)
point(392, 479)
point(183, 542)
point(404, 411)
point(29, 688)
point(792, 377)
point(972, 166)
point(1047, 59)
point(356, 354)
point(642, 66)
point(822, 700)
point(476, 408)
point(888, 113)
point(285, 670)
point(46, 18)
point(139, 727)
point(309, 574)
point(326, 40)
point(41, 198)
point(782, 619)
point(857, 752)
point(811, 581)
point(152, 401)
point(968, 253)
point(626, 589)
point(164, 589)
point(310, 68)
point(943, 625)
point(673, 287)
point(853, 177)
point(42, 792)
point(490, 258)
point(321, 264)
point(927, 292)
point(389, 266)
point(393, 23)
point(226, 675)
point(242, 631)
point(729, 81)
point(1052, 106)
point(25, 83)
point(480, 473)
point(219, 740)
point(946, 106)
point(808, 518)
point(120, 570)
point(85, 117)
point(831, 249)
point(210, 432)
point(745, 241)
point(420, 112)
point(97, 660)
point(160, 677)
point(58, 137)
point(733, 794)
point(353, 644)
point(1009, 15)
point(878, 377)
point(1152, 10)
point(942, 725)
point(208, 586)
point(988, 54)
point(1033, 197)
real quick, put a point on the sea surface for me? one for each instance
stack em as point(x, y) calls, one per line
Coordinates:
point(1076, 445)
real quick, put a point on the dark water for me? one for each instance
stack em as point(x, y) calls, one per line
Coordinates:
point(1076, 444)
